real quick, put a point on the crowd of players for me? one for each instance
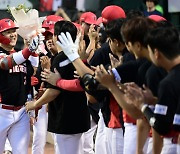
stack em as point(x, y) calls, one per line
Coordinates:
point(111, 84)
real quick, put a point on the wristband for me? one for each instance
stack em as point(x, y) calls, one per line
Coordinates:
point(72, 57)
point(34, 60)
point(143, 107)
point(21, 56)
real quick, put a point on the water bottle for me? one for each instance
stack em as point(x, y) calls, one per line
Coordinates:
point(32, 112)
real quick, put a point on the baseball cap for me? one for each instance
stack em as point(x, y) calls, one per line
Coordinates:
point(157, 18)
point(99, 21)
point(112, 12)
point(51, 20)
point(88, 17)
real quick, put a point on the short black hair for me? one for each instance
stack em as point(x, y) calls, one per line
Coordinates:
point(155, 1)
point(166, 40)
point(134, 29)
point(113, 29)
point(65, 26)
point(134, 13)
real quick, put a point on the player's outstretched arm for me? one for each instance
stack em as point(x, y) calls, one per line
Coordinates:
point(48, 96)
point(70, 49)
point(107, 80)
point(8, 61)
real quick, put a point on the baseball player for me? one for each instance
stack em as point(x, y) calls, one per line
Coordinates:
point(40, 127)
point(163, 46)
point(68, 114)
point(14, 69)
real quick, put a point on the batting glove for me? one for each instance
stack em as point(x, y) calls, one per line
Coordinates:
point(35, 42)
point(69, 47)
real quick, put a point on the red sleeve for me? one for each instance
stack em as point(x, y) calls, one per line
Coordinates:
point(70, 85)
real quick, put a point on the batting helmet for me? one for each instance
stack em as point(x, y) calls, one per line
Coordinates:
point(6, 24)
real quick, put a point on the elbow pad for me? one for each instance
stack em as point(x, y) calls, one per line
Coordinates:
point(89, 83)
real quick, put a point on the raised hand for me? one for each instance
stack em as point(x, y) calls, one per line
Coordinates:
point(114, 61)
point(69, 47)
point(50, 77)
point(148, 96)
point(45, 62)
point(104, 77)
point(134, 95)
point(35, 42)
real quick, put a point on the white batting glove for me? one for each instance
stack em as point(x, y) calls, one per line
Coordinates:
point(69, 47)
point(35, 42)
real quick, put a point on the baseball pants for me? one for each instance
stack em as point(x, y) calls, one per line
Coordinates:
point(69, 144)
point(100, 141)
point(169, 147)
point(115, 140)
point(16, 127)
point(40, 132)
point(130, 138)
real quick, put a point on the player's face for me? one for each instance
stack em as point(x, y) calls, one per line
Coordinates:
point(152, 56)
point(54, 41)
point(12, 35)
point(50, 44)
point(115, 46)
point(85, 27)
point(133, 48)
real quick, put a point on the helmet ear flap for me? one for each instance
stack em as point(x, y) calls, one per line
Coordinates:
point(4, 40)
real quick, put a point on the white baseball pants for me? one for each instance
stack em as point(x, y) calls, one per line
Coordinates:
point(69, 144)
point(40, 132)
point(15, 126)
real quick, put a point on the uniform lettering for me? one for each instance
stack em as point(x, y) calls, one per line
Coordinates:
point(18, 68)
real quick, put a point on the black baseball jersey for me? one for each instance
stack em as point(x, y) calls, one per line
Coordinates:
point(15, 82)
point(68, 113)
point(133, 71)
point(101, 56)
point(166, 113)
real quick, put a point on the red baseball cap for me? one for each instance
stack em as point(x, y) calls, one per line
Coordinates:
point(112, 12)
point(50, 21)
point(99, 21)
point(88, 17)
point(157, 18)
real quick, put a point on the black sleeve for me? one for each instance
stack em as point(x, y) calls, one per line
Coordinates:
point(176, 121)
point(101, 56)
point(162, 118)
point(154, 76)
point(128, 57)
point(128, 71)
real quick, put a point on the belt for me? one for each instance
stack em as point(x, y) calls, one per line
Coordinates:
point(10, 107)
